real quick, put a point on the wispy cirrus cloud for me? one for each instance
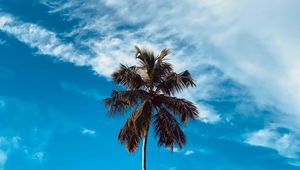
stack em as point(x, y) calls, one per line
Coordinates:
point(103, 56)
point(44, 41)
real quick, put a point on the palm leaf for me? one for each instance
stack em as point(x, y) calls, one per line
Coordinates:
point(174, 82)
point(136, 126)
point(163, 54)
point(129, 135)
point(181, 107)
point(143, 117)
point(168, 130)
point(146, 59)
point(120, 101)
point(129, 77)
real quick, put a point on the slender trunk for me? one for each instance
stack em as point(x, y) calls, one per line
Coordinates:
point(144, 150)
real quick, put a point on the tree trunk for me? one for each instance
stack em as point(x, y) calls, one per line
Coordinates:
point(144, 150)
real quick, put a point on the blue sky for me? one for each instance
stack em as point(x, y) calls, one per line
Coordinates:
point(56, 58)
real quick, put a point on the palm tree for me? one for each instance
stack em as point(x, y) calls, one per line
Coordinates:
point(151, 86)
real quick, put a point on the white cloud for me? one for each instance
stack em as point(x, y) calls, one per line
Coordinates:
point(189, 152)
point(294, 163)
point(176, 150)
point(260, 52)
point(46, 42)
point(12, 142)
point(7, 145)
point(38, 156)
point(207, 114)
point(88, 132)
point(286, 144)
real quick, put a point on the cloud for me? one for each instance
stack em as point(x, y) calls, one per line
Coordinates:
point(176, 150)
point(189, 152)
point(88, 132)
point(207, 115)
point(46, 42)
point(38, 156)
point(286, 144)
point(294, 163)
point(260, 53)
point(7, 145)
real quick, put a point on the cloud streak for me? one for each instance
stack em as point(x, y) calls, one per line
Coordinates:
point(44, 41)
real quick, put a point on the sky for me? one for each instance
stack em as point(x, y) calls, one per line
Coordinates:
point(56, 58)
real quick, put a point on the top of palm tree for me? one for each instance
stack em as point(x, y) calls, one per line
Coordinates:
point(152, 74)
point(151, 86)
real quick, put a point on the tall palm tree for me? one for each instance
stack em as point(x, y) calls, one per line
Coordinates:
point(151, 86)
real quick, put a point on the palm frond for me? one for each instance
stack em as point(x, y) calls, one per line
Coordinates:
point(137, 50)
point(129, 134)
point(174, 82)
point(136, 126)
point(129, 77)
point(160, 70)
point(168, 130)
point(163, 54)
point(181, 107)
point(120, 101)
point(143, 117)
point(146, 59)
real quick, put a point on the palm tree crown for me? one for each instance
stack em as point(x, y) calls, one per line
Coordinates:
point(151, 86)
